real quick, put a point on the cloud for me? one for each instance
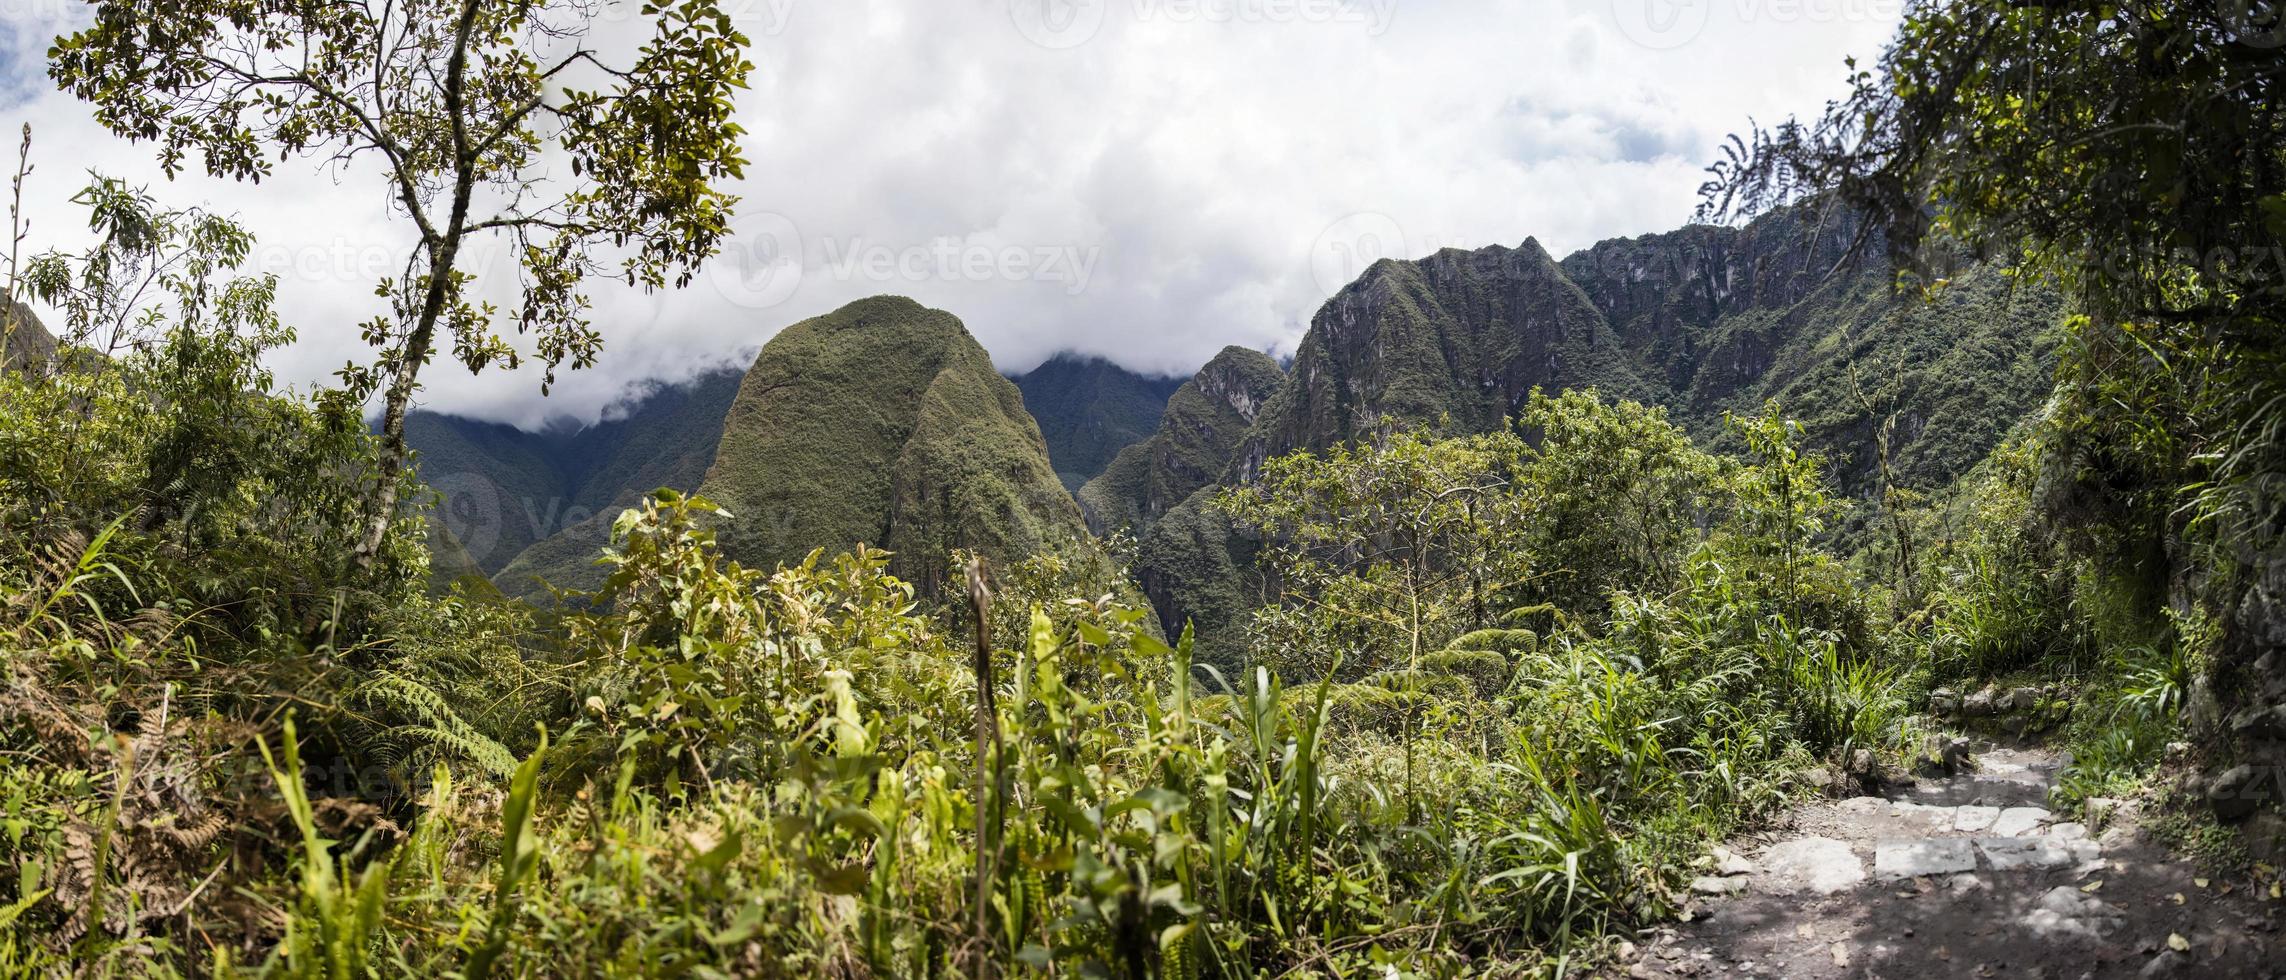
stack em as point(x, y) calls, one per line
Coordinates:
point(1148, 180)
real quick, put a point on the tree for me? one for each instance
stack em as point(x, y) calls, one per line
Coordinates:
point(1385, 550)
point(163, 419)
point(1386, 546)
point(474, 110)
point(1621, 496)
point(2136, 151)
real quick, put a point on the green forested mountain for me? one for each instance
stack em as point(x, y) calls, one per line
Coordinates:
point(1464, 334)
point(1704, 320)
point(1205, 423)
point(506, 490)
point(884, 423)
point(1089, 409)
point(1726, 319)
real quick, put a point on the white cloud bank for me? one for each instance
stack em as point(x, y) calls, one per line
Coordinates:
point(1143, 179)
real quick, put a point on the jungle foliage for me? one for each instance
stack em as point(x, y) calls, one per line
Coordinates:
point(1503, 682)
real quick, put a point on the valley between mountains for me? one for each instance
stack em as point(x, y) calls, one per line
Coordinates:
point(885, 423)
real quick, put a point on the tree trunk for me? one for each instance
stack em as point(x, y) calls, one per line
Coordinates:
point(987, 769)
point(381, 508)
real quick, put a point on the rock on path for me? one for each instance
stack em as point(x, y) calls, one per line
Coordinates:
point(1964, 877)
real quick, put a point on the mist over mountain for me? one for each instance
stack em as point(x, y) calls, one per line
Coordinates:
point(506, 490)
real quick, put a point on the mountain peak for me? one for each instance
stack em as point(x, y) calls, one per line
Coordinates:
point(884, 423)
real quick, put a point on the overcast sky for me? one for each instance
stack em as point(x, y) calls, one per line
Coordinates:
point(1144, 179)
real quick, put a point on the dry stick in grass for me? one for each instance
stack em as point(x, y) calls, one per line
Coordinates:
point(987, 767)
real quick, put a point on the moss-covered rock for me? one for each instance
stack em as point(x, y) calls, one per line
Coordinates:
point(1487, 672)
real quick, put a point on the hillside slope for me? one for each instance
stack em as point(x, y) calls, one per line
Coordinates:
point(1089, 409)
point(524, 504)
point(884, 423)
point(1704, 320)
point(1199, 435)
point(1731, 318)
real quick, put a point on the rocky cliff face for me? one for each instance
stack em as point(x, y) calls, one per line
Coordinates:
point(1662, 294)
point(1200, 433)
point(884, 423)
point(1464, 335)
point(28, 342)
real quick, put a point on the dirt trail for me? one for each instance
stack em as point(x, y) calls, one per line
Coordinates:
point(1968, 876)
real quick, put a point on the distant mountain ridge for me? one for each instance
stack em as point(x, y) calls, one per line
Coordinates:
point(1089, 409)
point(1204, 425)
point(1704, 320)
point(507, 490)
point(884, 422)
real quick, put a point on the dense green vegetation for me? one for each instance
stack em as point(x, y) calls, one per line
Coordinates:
point(776, 773)
point(1903, 386)
point(2135, 154)
point(1527, 584)
point(1089, 409)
